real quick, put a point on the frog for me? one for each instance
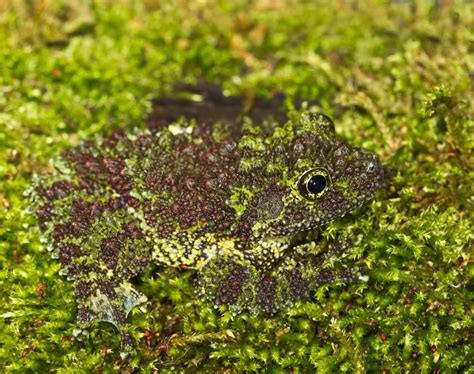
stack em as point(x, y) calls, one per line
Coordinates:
point(243, 206)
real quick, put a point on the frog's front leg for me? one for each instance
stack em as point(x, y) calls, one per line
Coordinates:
point(242, 285)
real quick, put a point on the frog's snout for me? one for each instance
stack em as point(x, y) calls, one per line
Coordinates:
point(374, 171)
point(374, 166)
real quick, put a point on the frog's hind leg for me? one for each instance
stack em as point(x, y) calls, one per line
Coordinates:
point(101, 262)
point(244, 287)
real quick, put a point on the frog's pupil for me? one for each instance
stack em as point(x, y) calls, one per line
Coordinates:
point(316, 184)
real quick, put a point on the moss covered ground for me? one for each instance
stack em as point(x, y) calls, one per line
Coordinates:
point(397, 79)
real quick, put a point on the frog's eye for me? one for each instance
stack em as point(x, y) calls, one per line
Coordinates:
point(314, 183)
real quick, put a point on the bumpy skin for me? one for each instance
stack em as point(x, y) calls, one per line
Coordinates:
point(232, 202)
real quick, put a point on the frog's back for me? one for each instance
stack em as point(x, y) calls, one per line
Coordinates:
point(200, 178)
point(183, 177)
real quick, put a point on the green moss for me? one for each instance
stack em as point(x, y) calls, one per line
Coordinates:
point(395, 77)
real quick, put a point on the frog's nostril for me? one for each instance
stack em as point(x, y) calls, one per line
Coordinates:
point(370, 167)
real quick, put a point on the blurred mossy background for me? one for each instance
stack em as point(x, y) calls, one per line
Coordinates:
point(397, 79)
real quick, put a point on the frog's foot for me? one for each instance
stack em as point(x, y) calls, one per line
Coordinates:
point(322, 266)
point(106, 301)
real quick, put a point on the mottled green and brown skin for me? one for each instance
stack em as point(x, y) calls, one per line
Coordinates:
point(235, 203)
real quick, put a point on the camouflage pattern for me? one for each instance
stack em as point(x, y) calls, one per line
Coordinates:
point(242, 205)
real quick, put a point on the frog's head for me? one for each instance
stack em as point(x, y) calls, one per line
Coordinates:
point(311, 177)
